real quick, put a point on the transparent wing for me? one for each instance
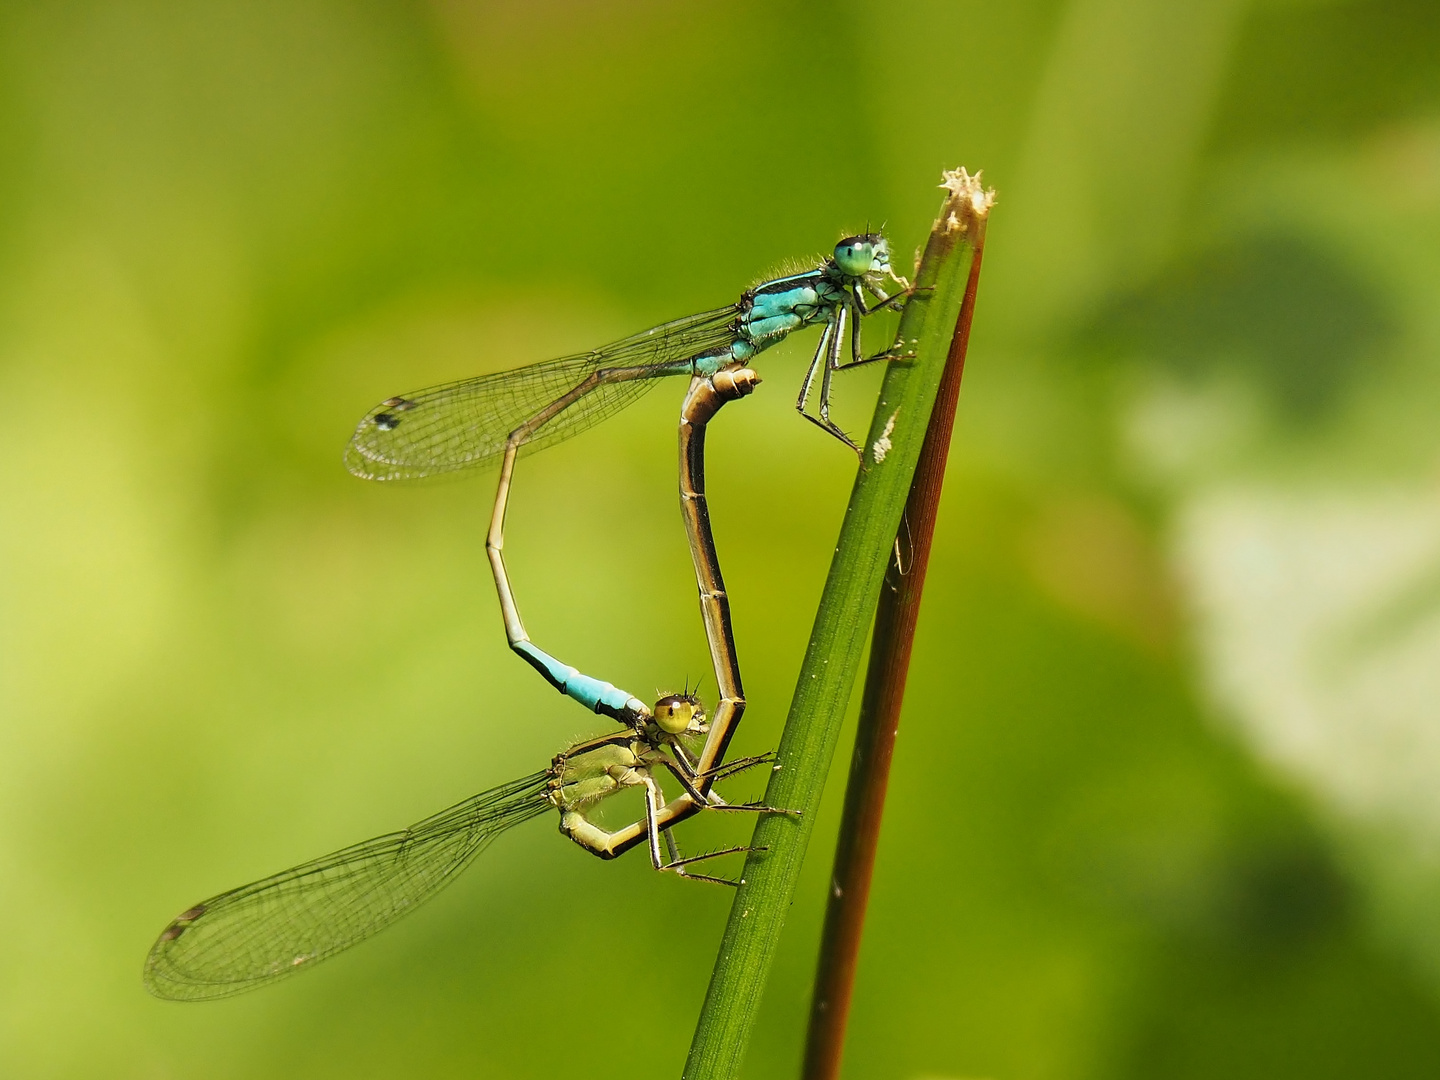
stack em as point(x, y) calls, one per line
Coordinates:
point(292, 920)
point(463, 424)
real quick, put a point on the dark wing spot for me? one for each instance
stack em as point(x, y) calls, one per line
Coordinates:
point(173, 931)
point(399, 404)
point(191, 915)
point(387, 421)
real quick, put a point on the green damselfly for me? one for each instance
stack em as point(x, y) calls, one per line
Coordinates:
point(261, 932)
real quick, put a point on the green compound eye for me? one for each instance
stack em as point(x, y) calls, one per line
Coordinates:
point(854, 255)
point(675, 713)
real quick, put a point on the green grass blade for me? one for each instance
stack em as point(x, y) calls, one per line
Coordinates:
point(837, 642)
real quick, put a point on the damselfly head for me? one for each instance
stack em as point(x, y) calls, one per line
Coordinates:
point(680, 714)
point(868, 253)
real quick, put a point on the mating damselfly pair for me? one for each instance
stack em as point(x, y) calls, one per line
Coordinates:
point(260, 932)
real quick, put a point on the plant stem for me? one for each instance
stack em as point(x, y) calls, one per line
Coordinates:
point(880, 704)
point(837, 641)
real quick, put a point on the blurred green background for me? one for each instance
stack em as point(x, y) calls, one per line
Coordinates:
point(1167, 795)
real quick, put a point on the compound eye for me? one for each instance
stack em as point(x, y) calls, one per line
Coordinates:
point(675, 714)
point(853, 255)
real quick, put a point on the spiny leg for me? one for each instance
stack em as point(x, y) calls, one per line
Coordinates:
point(829, 341)
point(739, 765)
point(812, 371)
point(653, 801)
point(857, 352)
point(857, 297)
point(678, 863)
point(685, 767)
point(832, 364)
point(686, 775)
point(884, 301)
point(829, 353)
point(683, 757)
point(710, 799)
point(753, 807)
